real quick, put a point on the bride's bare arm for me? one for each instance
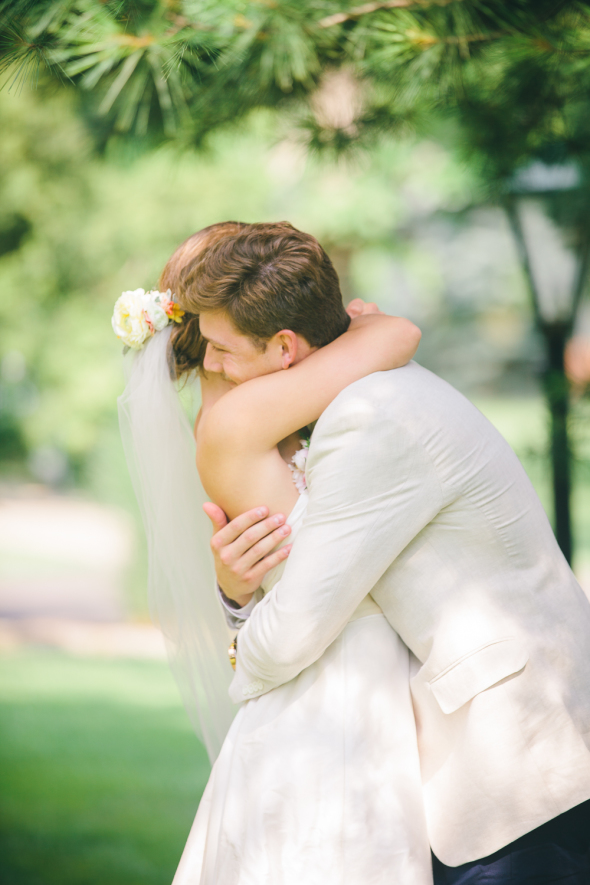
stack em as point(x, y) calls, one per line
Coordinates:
point(213, 387)
point(237, 453)
point(256, 415)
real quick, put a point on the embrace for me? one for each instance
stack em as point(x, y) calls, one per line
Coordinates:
point(413, 654)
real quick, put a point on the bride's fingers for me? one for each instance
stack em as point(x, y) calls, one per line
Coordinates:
point(355, 308)
point(256, 574)
point(359, 308)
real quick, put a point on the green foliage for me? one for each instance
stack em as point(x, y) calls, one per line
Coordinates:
point(515, 76)
point(171, 68)
point(184, 67)
point(531, 102)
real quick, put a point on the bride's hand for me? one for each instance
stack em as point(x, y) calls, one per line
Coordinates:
point(359, 308)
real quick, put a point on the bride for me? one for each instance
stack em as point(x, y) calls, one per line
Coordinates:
point(318, 780)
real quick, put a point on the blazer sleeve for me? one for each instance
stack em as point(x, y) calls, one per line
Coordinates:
point(372, 488)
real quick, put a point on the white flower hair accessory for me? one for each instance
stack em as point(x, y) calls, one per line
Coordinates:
point(297, 466)
point(139, 314)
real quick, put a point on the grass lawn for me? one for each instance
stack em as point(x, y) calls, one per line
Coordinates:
point(100, 773)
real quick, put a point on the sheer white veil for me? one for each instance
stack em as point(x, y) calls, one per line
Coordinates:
point(160, 451)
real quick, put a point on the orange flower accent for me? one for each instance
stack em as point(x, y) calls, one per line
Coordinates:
point(175, 312)
point(146, 317)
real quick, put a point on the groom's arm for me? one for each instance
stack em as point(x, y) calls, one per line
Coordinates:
point(372, 489)
point(236, 615)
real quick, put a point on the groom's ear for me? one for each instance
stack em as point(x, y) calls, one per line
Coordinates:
point(288, 345)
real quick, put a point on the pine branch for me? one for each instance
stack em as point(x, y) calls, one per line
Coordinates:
point(431, 40)
point(23, 59)
point(186, 67)
point(340, 17)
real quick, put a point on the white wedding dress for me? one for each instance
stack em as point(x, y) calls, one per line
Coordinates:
point(318, 781)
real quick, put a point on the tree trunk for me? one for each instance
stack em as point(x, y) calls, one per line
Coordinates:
point(557, 394)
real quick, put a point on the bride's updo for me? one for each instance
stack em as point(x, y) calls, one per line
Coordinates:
point(187, 342)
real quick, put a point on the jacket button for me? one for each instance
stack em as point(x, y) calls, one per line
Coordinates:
point(252, 688)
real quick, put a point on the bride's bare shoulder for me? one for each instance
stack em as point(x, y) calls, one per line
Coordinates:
point(238, 422)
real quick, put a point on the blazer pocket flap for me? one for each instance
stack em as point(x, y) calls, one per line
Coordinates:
point(476, 671)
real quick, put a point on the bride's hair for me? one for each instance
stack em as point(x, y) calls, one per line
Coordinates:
point(188, 346)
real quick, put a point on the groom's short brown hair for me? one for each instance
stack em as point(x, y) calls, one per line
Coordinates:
point(268, 277)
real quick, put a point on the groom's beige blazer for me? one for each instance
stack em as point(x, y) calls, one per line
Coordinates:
point(415, 498)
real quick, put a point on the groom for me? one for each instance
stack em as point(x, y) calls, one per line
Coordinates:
point(416, 499)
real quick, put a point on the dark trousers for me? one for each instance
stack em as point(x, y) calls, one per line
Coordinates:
point(558, 853)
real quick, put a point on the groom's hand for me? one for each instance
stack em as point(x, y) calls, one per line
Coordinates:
point(242, 549)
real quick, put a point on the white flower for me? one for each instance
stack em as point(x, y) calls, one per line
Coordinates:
point(158, 316)
point(297, 466)
point(300, 457)
point(138, 315)
point(130, 321)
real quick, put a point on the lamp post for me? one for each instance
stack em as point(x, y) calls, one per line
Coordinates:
point(548, 207)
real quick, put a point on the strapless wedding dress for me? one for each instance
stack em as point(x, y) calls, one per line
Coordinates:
point(318, 781)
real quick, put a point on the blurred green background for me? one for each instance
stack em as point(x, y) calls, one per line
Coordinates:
point(100, 772)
